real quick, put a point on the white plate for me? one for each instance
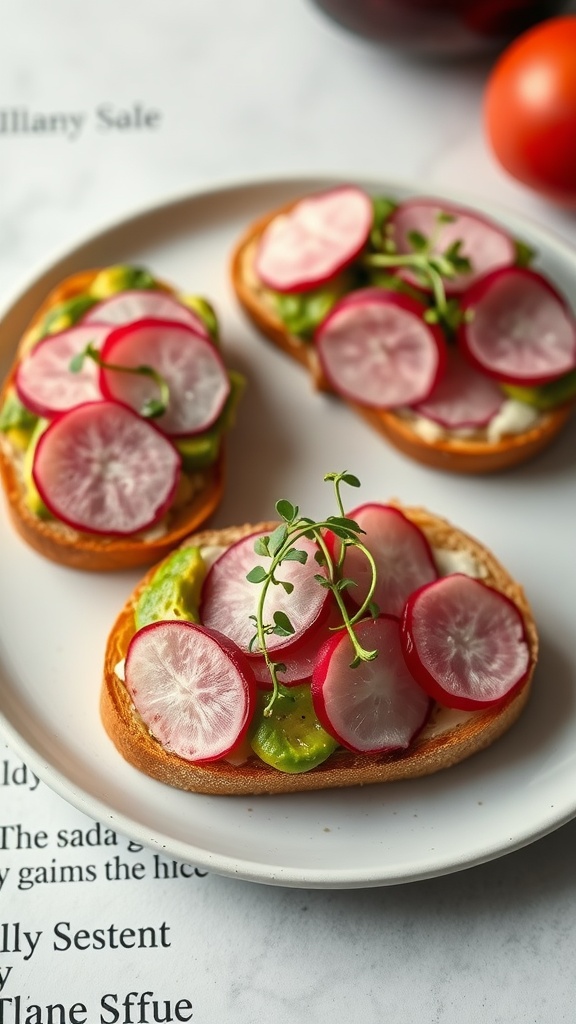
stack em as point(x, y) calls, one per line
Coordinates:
point(54, 621)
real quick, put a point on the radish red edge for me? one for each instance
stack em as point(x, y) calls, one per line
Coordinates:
point(464, 399)
point(27, 391)
point(387, 705)
point(243, 699)
point(473, 297)
point(380, 297)
point(147, 300)
point(403, 536)
point(122, 332)
point(300, 657)
point(427, 680)
point(454, 287)
point(215, 599)
point(305, 283)
point(102, 408)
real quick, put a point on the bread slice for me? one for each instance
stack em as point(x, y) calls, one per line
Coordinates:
point(470, 454)
point(447, 739)
point(199, 496)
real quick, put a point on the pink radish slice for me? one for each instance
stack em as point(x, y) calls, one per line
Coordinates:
point(401, 552)
point(464, 642)
point(375, 349)
point(321, 235)
point(126, 307)
point(520, 329)
point(192, 687)
point(190, 364)
point(229, 599)
point(485, 244)
point(102, 469)
point(463, 398)
point(300, 658)
point(44, 381)
point(376, 706)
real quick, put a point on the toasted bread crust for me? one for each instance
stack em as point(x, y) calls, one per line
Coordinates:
point(456, 454)
point(59, 542)
point(426, 755)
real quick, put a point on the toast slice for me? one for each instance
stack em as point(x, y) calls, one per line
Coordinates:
point(449, 737)
point(474, 453)
point(199, 494)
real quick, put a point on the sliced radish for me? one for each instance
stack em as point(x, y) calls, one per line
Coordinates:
point(229, 599)
point(44, 381)
point(485, 244)
point(103, 469)
point(192, 687)
point(519, 329)
point(126, 307)
point(376, 349)
point(464, 642)
point(190, 364)
point(401, 552)
point(463, 398)
point(301, 657)
point(376, 706)
point(316, 239)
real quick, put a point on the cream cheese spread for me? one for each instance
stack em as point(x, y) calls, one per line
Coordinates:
point(513, 417)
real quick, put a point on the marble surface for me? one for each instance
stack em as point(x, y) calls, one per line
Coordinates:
point(224, 91)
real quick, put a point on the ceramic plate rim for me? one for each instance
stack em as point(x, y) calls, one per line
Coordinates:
point(70, 790)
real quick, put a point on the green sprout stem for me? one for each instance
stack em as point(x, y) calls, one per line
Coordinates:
point(434, 268)
point(153, 407)
point(296, 528)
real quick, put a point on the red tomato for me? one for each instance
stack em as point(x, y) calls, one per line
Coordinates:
point(530, 109)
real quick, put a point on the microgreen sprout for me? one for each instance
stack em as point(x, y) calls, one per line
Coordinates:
point(152, 407)
point(429, 266)
point(281, 546)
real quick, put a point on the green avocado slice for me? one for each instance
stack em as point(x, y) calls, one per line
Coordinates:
point(174, 590)
point(546, 396)
point(291, 739)
point(201, 450)
point(31, 496)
